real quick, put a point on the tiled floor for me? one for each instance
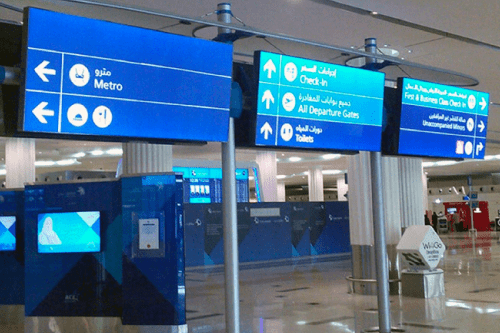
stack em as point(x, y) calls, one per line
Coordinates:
point(313, 297)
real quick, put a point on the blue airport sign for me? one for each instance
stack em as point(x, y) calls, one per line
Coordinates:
point(442, 121)
point(101, 79)
point(310, 104)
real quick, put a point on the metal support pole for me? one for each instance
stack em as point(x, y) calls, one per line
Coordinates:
point(230, 218)
point(381, 268)
point(9, 75)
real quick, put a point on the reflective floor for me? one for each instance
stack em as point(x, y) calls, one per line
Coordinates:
point(313, 297)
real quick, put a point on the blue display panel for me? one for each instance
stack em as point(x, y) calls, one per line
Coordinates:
point(86, 77)
point(75, 284)
point(204, 185)
point(303, 103)
point(7, 233)
point(12, 259)
point(439, 121)
point(69, 232)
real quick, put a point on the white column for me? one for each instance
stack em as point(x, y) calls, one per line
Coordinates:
point(391, 190)
point(315, 183)
point(412, 204)
point(281, 192)
point(360, 203)
point(146, 158)
point(425, 190)
point(268, 170)
point(361, 218)
point(19, 162)
point(342, 189)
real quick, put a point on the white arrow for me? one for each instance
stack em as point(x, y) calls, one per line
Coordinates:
point(268, 98)
point(40, 112)
point(482, 103)
point(266, 129)
point(479, 147)
point(481, 126)
point(269, 67)
point(41, 70)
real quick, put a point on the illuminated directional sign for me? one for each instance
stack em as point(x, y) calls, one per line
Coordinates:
point(101, 79)
point(430, 119)
point(309, 104)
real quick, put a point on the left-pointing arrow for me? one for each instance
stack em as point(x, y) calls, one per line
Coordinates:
point(40, 112)
point(42, 70)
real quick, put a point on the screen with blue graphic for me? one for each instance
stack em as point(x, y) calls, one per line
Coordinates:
point(204, 185)
point(430, 119)
point(86, 77)
point(69, 232)
point(7, 233)
point(303, 103)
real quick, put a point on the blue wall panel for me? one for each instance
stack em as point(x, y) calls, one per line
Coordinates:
point(335, 237)
point(300, 229)
point(299, 216)
point(263, 236)
point(74, 284)
point(214, 244)
point(194, 234)
point(12, 262)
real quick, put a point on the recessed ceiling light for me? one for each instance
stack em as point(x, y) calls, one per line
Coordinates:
point(281, 176)
point(374, 13)
point(66, 162)
point(97, 152)
point(44, 163)
point(295, 159)
point(331, 172)
point(442, 163)
point(330, 156)
point(410, 51)
point(78, 155)
point(115, 151)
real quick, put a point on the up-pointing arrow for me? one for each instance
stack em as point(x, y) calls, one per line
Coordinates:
point(481, 126)
point(268, 98)
point(42, 70)
point(266, 130)
point(40, 112)
point(269, 67)
point(482, 103)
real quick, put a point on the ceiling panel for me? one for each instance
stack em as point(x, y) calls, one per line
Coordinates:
point(319, 21)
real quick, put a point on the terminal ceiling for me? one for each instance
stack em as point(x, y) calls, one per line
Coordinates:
point(445, 34)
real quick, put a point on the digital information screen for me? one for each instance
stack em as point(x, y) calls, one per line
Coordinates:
point(7, 233)
point(442, 121)
point(309, 104)
point(95, 78)
point(69, 232)
point(204, 185)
